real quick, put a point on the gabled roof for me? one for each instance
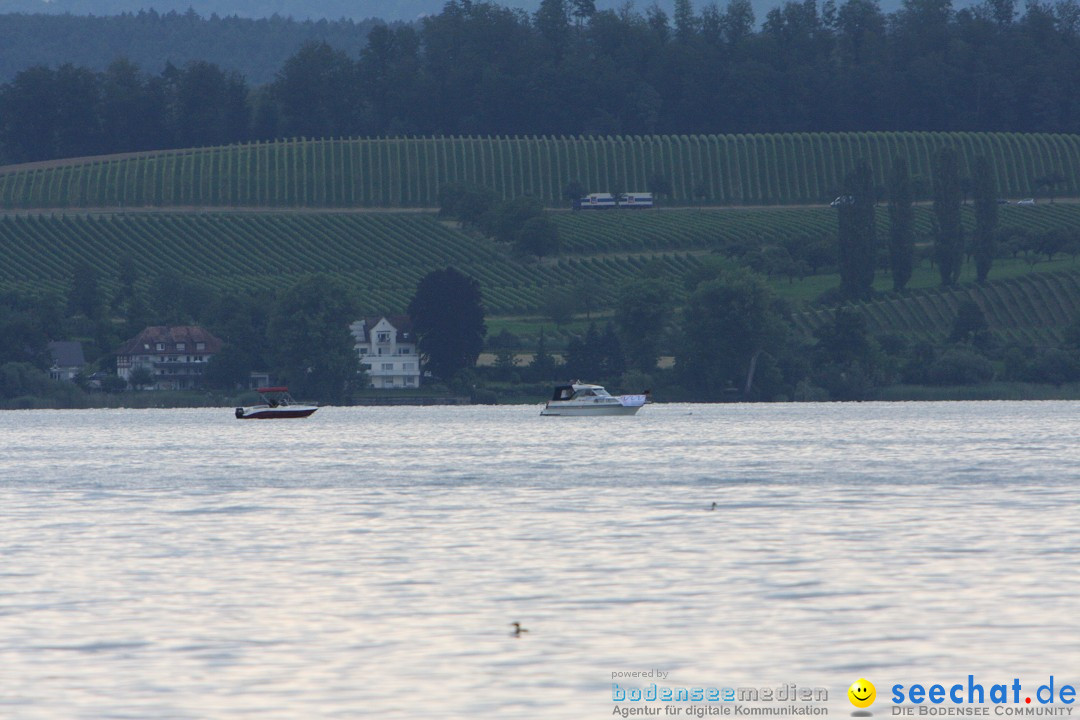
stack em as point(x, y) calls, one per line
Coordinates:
point(67, 353)
point(402, 324)
point(147, 340)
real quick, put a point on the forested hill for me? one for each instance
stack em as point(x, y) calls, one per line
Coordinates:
point(256, 49)
point(480, 69)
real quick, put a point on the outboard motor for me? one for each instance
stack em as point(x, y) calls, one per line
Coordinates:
point(239, 413)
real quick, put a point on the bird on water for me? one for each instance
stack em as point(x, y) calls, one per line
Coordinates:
point(518, 630)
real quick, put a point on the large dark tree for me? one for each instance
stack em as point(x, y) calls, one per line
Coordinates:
point(84, 297)
point(22, 338)
point(613, 363)
point(856, 233)
point(447, 312)
point(132, 109)
point(729, 322)
point(543, 365)
point(317, 92)
point(584, 357)
point(642, 313)
point(313, 349)
point(242, 321)
point(948, 228)
point(538, 236)
point(901, 224)
point(986, 208)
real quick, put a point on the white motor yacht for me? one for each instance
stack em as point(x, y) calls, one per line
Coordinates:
point(581, 399)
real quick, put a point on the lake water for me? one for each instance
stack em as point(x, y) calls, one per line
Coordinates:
point(368, 562)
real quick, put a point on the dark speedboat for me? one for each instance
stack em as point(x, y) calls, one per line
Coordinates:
point(277, 403)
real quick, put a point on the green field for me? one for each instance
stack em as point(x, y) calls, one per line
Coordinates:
point(408, 172)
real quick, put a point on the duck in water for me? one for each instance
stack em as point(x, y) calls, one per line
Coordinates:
point(518, 630)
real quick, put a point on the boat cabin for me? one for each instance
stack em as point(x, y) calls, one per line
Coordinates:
point(575, 391)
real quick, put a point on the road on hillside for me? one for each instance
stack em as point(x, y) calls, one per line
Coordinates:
point(226, 209)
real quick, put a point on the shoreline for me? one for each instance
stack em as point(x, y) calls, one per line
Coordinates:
point(146, 400)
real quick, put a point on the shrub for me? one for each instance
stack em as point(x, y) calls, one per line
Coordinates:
point(960, 366)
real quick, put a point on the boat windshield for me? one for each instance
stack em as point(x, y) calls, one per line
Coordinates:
point(591, 392)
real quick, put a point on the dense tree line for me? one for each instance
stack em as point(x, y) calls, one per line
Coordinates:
point(71, 112)
point(255, 48)
point(479, 68)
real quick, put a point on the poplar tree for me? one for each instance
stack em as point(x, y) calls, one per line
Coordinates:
point(986, 211)
point(856, 233)
point(901, 223)
point(948, 228)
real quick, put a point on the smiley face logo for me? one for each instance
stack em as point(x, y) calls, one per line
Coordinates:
point(862, 693)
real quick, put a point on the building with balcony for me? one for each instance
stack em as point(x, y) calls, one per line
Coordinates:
point(174, 356)
point(387, 349)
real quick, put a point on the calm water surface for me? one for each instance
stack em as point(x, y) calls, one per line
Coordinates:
point(368, 562)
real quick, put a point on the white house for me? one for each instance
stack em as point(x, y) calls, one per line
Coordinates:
point(387, 349)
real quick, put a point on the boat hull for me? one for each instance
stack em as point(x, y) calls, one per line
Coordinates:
point(278, 413)
point(590, 410)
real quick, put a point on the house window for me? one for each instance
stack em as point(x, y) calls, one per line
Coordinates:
point(388, 366)
point(406, 351)
point(180, 347)
point(363, 351)
point(200, 346)
point(160, 347)
point(384, 337)
point(409, 380)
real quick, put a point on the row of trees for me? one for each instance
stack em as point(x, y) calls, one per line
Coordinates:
point(857, 229)
point(483, 69)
